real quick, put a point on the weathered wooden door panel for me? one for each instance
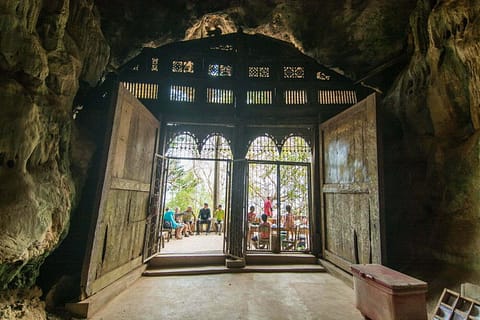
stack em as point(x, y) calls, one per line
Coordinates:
point(117, 238)
point(350, 196)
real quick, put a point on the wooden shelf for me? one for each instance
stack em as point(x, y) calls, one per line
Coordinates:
point(452, 306)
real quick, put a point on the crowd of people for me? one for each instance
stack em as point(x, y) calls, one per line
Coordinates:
point(186, 223)
point(261, 224)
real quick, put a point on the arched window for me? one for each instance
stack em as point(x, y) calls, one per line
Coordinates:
point(295, 149)
point(263, 148)
point(183, 145)
point(216, 147)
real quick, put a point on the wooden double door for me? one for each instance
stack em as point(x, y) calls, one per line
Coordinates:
point(346, 205)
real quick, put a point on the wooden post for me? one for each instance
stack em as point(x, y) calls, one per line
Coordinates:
point(236, 247)
point(315, 194)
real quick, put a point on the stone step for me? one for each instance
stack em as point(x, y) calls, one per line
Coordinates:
point(215, 269)
point(282, 259)
point(182, 260)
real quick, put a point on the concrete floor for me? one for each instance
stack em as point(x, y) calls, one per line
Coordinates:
point(234, 296)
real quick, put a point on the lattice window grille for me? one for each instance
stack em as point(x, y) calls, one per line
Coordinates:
point(154, 64)
point(183, 145)
point(258, 72)
point(263, 148)
point(295, 148)
point(337, 97)
point(182, 66)
point(182, 93)
point(216, 147)
point(293, 72)
point(322, 76)
point(221, 96)
point(220, 70)
point(296, 97)
point(142, 90)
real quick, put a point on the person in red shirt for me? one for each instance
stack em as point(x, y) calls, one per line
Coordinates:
point(267, 207)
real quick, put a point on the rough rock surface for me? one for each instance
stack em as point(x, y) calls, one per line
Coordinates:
point(353, 35)
point(46, 49)
point(22, 304)
point(436, 101)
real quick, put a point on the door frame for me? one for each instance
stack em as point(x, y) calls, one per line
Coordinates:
point(154, 223)
point(278, 165)
point(228, 192)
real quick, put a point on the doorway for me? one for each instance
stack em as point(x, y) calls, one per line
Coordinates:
point(278, 196)
point(195, 176)
point(128, 197)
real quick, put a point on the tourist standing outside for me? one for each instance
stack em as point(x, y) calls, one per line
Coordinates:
point(267, 207)
point(219, 216)
point(289, 222)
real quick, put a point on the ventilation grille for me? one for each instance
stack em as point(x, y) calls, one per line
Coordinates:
point(337, 97)
point(182, 93)
point(295, 97)
point(259, 97)
point(223, 96)
point(142, 90)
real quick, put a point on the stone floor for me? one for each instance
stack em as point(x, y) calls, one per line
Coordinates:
point(211, 243)
point(202, 243)
point(234, 296)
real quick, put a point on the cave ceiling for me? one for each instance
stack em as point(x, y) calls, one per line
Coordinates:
point(353, 37)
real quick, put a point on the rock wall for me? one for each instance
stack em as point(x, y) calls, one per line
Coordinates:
point(436, 147)
point(46, 49)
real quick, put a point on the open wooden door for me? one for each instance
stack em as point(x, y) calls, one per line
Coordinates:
point(116, 240)
point(352, 221)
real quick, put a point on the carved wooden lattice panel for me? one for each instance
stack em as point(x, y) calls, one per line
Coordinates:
point(182, 66)
point(293, 72)
point(258, 72)
point(220, 70)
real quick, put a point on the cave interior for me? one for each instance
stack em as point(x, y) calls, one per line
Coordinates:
point(81, 80)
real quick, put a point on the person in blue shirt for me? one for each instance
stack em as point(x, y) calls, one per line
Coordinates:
point(169, 222)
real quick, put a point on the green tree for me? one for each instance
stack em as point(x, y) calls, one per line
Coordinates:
point(181, 186)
